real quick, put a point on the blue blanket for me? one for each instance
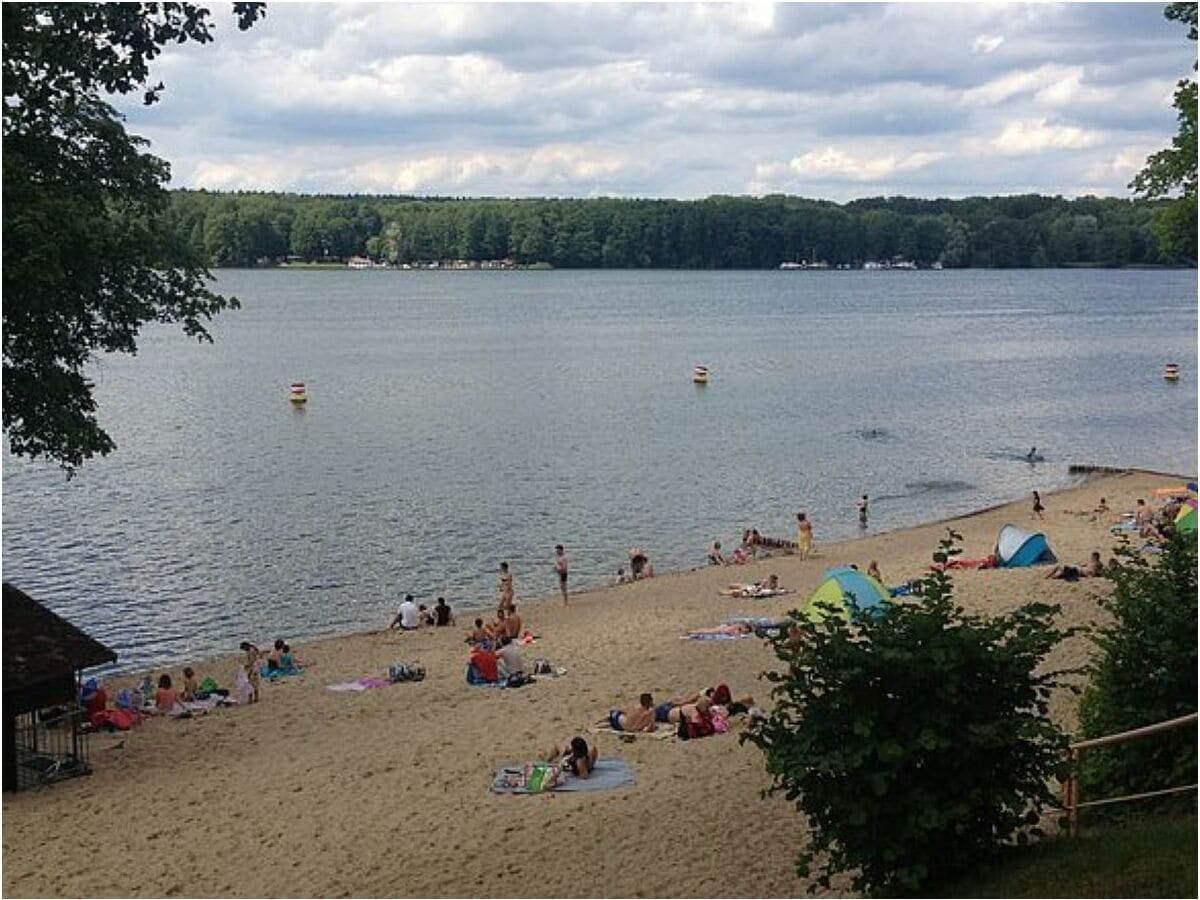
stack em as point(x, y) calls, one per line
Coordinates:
point(610, 772)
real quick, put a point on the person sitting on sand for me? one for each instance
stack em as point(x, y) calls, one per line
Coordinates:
point(407, 616)
point(441, 613)
point(622, 578)
point(288, 661)
point(639, 719)
point(166, 697)
point(715, 557)
point(190, 685)
point(574, 756)
point(1093, 568)
point(1102, 506)
point(509, 660)
point(425, 618)
point(485, 663)
point(512, 623)
point(639, 564)
point(498, 628)
point(478, 633)
point(273, 664)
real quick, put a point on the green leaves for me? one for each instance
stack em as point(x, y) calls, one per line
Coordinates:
point(90, 254)
point(1145, 673)
point(914, 741)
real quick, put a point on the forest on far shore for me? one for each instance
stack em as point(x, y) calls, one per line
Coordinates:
point(720, 232)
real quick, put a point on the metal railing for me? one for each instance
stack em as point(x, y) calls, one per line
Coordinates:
point(1071, 801)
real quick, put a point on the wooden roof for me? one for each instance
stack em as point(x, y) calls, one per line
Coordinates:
point(39, 645)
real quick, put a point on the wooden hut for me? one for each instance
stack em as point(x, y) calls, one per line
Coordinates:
point(44, 657)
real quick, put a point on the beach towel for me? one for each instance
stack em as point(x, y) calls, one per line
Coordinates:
point(717, 636)
point(662, 731)
point(275, 674)
point(358, 685)
point(610, 773)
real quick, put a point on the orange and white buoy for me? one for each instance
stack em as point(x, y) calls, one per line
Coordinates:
point(299, 392)
point(700, 374)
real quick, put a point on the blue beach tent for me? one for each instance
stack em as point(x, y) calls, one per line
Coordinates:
point(1016, 547)
point(867, 593)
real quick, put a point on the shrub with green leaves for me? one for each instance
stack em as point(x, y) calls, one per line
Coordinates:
point(1145, 673)
point(915, 739)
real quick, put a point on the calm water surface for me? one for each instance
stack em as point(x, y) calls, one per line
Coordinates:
point(460, 418)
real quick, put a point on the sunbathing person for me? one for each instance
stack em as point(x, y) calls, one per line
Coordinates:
point(1093, 568)
point(732, 628)
point(720, 695)
point(639, 719)
point(574, 756)
point(682, 707)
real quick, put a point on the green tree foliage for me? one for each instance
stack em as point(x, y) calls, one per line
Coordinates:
point(1173, 169)
point(1145, 673)
point(715, 233)
point(915, 741)
point(92, 248)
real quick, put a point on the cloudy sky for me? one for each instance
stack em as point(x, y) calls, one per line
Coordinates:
point(672, 100)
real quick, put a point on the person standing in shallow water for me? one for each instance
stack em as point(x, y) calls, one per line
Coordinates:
point(506, 586)
point(560, 567)
point(863, 510)
point(804, 535)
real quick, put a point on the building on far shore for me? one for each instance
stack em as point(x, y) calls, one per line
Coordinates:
point(44, 658)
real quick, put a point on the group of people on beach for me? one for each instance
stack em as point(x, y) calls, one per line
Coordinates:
point(705, 712)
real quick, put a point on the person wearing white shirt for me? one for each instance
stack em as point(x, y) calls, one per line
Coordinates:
point(407, 616)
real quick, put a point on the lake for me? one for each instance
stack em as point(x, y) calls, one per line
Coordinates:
point(457, 419)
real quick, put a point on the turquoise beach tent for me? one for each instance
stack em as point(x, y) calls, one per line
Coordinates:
point(1016, 547)
point(867, 593)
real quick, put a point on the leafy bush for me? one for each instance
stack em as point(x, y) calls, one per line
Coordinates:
point(916, 740)
point(1145, 673)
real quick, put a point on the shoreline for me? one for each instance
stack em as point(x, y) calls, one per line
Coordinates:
point(409, 765)
point(464, 615)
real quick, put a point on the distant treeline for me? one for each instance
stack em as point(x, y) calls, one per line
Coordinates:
point(246, 229)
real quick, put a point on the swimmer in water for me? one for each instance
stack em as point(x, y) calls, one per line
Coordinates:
point(1032, 455)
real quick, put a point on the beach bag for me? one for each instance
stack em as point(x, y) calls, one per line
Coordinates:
point(208, 685)
point(540, 777)
point(541, 666)
point(402, 672)
point(517, 679)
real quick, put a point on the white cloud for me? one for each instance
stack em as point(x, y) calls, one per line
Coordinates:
point(987, 43)
point(1030, 136)
point(830, 162)
point(674, 99)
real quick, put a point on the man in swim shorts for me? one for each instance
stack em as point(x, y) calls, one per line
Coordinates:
point(560, 566)
point(641, 719)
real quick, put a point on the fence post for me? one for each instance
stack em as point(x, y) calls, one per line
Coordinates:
point(1073, 793)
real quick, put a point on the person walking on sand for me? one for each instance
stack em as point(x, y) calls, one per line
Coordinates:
point(1038, 509)
point(506, 586)
point(560, 567)
point(863, 505)
point(804, 535)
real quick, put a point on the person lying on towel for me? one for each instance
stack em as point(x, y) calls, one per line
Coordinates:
point(639, 719)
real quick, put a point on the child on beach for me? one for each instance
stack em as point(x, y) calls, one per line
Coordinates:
point(190, 685)
point(250, 664)
point(715, 557)
point(873, 571)
point(804, 535)
point(478, 633)
point(1038, 509)
point(560, 567)
point(166, 696)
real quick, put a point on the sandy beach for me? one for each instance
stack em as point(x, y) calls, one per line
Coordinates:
point(385, 793)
